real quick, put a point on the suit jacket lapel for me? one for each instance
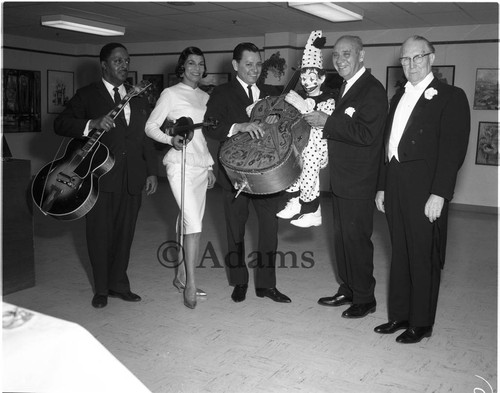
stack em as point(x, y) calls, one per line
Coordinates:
point(240, 92)
point(419, 107)
point(353, 90)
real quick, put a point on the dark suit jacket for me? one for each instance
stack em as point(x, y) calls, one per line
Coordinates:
point(355, 132)
point(130, 146)
point(437, 132)
point(227, 105)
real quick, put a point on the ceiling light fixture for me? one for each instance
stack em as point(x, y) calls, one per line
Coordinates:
point(328, 11)
point(82, 25)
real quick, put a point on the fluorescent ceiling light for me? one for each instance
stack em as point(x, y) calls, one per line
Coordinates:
point(328, 11)
point(82, 25)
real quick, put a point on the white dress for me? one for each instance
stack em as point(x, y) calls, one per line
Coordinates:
point(175, 102)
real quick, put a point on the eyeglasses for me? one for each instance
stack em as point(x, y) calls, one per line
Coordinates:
point(119, 61)
point(416, 59)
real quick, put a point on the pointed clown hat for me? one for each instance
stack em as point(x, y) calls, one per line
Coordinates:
point(312, 56)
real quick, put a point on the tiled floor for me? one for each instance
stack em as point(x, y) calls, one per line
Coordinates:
point(262, 346)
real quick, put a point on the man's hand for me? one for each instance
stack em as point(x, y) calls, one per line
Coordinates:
point(254, 129)
point(151, 185)
point(379, 201)
point(303, 106)
point(433, 207)
point(102, 123)
point(316, 119)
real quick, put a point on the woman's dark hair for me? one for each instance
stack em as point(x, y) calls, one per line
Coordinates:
point(240, 48)
point(107, 49)
point(191, 50)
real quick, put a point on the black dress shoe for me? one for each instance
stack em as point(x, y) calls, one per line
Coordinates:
point(360, 310)
point(414, 335)
point(391, 327)
point(239, 292)
point(273, 294)
point(99, 301)
point(127, 296)
point(336, 300)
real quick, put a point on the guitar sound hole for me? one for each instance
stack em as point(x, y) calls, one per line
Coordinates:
point(273, 118)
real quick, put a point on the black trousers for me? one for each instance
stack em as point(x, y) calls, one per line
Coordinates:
point(263, 259)
point(415, 269)
point(110, 227)
point(353, 227)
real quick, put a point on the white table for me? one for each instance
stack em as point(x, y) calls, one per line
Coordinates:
point(50, 355)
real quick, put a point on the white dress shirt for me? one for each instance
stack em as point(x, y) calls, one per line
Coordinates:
point(126, 109)
point(403, 111)
point(255, 95)
point(350, 82)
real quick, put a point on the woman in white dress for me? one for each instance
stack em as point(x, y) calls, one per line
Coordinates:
point(186, 99)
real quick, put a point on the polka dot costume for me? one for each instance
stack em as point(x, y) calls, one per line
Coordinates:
point(314, 157)
point(312, 56)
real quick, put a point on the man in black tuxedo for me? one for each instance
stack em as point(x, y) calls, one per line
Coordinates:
point(110, 224)
point(427, 135)
point(227, 105)
point(355, 134)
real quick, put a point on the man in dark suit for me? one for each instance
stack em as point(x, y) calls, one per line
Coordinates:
point(110, 224)
point(426, 141)
point(227, 104)
point(355, 134)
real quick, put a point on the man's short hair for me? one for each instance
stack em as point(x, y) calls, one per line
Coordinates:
point(108, 48)
point(244, 46)
point(429, 45)
point(355, 39)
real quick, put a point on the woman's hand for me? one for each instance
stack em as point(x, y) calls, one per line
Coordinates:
point(211, 179)
point(178, 141)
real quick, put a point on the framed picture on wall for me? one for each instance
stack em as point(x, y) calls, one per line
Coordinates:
point(211, 80)
point(156, 88)
point(132, 78)
point(396, 78)
point(21, 101)
point(486, 89)
point(445, 74)
point(59, 90)
point(172, 79)
point(487, 143)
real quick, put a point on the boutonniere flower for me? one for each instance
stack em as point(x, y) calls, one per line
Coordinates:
point(430, 92)
point(350, 111)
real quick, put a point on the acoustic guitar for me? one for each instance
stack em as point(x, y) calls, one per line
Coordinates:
point(67, 188)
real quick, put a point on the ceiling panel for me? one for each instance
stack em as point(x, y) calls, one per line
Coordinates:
point(164, 21)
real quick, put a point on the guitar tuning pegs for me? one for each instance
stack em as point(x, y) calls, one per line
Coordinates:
point(211, 122)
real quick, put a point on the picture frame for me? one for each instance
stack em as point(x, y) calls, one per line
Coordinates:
point(60, 89)
point(486, 89)
point(172, 79)
point(445, 73)
point(132, 78)
point(153, 93)
point(487, 143)
point(396, 79)
point(206, 84)
point(21, 101)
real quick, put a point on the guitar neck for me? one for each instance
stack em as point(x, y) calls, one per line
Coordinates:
point(97, 133)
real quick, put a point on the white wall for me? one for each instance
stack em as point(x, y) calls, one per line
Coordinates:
point(477, 184)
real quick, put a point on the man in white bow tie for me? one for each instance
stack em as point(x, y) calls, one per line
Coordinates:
point(427, 134)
